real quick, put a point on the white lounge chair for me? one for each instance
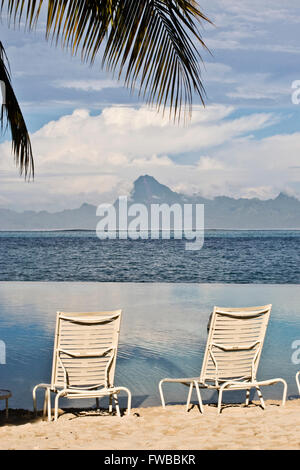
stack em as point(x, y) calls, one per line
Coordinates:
point(84, 359)
point(232, 355)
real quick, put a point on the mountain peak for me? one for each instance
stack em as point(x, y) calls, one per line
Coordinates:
point(85, 207)
point(144, 178)
point(148, 190)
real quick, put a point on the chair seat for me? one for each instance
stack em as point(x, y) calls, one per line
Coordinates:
point(71, 393)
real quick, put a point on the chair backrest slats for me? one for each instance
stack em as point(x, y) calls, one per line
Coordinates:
point(85, 349)
point(234, 343)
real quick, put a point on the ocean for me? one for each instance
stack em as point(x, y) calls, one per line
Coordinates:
point(271, 257)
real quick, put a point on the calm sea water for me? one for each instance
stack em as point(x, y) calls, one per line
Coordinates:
point(227, 256)
point(163, 332)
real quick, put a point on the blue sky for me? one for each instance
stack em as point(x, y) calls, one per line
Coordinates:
point(91, 138)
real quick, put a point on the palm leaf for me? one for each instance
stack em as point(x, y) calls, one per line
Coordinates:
point(11, 114)
point(152, 44)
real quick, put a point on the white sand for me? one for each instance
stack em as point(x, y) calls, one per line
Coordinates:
point(236, 428)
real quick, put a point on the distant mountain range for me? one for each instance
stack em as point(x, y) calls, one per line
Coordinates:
point(222, 212)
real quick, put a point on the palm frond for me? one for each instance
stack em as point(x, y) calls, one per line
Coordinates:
point(158, 49)
point(11, 116)
point(154, 43)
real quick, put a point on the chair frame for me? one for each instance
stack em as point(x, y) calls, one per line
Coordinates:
point(242, 383)
point(63, 389)
point(298, 381)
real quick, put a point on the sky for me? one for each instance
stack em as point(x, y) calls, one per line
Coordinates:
point(91, 138)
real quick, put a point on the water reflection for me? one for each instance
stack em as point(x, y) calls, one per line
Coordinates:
point(163, 331)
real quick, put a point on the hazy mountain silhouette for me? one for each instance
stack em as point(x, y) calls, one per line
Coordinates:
point(222, 212)
point(147, 190)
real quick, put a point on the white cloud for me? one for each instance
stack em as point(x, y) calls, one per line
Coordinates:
point(81, 139)
point(209, 163)
point(83, 158)
point(231, 43)
point(260, 87)
point(87, 85)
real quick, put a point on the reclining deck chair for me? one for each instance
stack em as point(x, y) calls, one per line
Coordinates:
point(232, 355)
point(84, 359)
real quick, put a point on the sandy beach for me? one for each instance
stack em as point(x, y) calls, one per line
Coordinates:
point(154, 428)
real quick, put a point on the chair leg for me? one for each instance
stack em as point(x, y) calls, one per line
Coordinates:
point(297, 381)
point(161, 394)
point(110, 407)
point(189, 396)
point(273, 382)
point(34, 400)
point(220, 399)
point(128, 403)
point(59, 394)
point(199, 397)
point(56, 407)
point(284, 392)
point(117, 404)
point(97, 403)
point(6, 408)
point(260, 396)
point(247, 397)
point(45, 403)
point(115, 395)
point(49, 405)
